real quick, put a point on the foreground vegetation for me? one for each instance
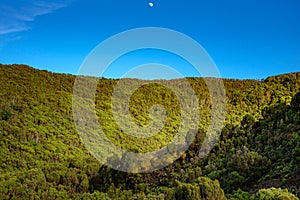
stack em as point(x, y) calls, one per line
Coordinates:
point(42, 157)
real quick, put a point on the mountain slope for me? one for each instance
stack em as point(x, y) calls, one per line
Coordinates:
point(42, 155)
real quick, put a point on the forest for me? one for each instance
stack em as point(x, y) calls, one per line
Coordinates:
point(257, 156)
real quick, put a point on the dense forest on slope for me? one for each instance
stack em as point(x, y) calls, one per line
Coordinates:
point(42, 156)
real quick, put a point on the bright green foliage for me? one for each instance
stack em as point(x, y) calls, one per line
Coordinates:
point(263, 194)
point(204, 188)
point(240, 194)
point(274, 194)
point(42, 156)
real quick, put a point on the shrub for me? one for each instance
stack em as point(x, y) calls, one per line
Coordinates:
point(274, 194)
point(204, 188)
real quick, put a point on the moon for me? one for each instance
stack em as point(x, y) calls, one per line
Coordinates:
point(151, 4)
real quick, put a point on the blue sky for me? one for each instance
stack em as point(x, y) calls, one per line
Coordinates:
point(246, 39)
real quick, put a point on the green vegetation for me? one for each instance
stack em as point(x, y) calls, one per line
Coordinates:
point(42, 156)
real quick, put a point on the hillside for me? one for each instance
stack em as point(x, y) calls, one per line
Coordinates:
point(42, 156)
